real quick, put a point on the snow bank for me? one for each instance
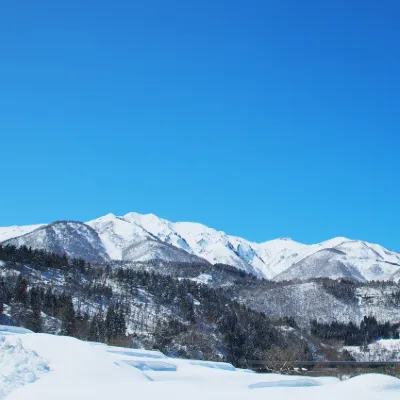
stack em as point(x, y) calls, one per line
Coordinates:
point(82, 370)
point(18, 366)
point(374, 383)
point(6, 330)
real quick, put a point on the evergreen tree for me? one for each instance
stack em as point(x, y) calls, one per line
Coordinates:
point(68, 322)
point(115, 326)
point(109, 324)
point(35, 318)
point(2, 295)
point(49, 302)
point(82, 326)
point(20, 290)
point(97, 329)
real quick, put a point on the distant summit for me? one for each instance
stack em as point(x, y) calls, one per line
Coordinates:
point(137, 237)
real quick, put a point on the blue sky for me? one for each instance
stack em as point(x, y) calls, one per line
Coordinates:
point(264, 119)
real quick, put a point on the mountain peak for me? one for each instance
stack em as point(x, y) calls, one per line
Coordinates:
point(116, 234)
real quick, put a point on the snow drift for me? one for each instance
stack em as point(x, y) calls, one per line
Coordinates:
point(41, 366)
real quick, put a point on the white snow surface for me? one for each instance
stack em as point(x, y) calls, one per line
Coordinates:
point(268, 259)
point(203, 278)
point(381, 350)
point(18, 366)
point(63, 368)
point(15, 231)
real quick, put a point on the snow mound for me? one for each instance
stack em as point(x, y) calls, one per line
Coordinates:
point(81, 370)
point(374, 382)
point(7, 330)
point(18, 366)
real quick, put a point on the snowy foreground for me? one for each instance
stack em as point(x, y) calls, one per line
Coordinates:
point(42, 366)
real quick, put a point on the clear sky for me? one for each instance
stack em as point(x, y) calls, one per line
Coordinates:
point(261, 118)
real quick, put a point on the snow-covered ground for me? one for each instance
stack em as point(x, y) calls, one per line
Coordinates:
point(382, 350)
point(41, 366)
point(18, 366)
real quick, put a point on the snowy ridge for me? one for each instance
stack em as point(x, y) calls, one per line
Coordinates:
point(15, 231)
point(396, 276)
point(275, 259)
point(150, 249)
point(73, 238)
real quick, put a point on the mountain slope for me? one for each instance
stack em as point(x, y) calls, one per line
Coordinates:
point(359, 260)
point(396, 276)
point(374, 262)
point(197, 239)
point(15, 231)
point(326, 263)
point(151, 249)
point(117, 233)
point(72, 238)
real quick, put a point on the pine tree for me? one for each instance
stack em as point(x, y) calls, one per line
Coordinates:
point(97, 329)
point(110, 323)
point(82, 326)
point(2, 295)
point(20, 290)
point(35, 319)
point(49, 302)
point(115, 325)
point(68, 322)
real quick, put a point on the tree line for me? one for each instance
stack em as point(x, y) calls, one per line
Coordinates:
point(368, 331)
point(105, 304)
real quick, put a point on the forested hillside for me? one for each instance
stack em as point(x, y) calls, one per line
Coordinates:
point(47, 292)
point(190, 309)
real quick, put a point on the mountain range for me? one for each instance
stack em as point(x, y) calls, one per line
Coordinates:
point(135, 237)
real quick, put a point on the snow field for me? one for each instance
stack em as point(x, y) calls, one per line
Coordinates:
point(64, 368)
point(18, 366)
point(382, 350)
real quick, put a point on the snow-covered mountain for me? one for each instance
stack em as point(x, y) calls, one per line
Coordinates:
point(76, 239)
point(150, 249)
point(352, 259)
point(322, 263)
point(15, 231)
point(280, 258)
point(396, 276)
point(349, 259)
